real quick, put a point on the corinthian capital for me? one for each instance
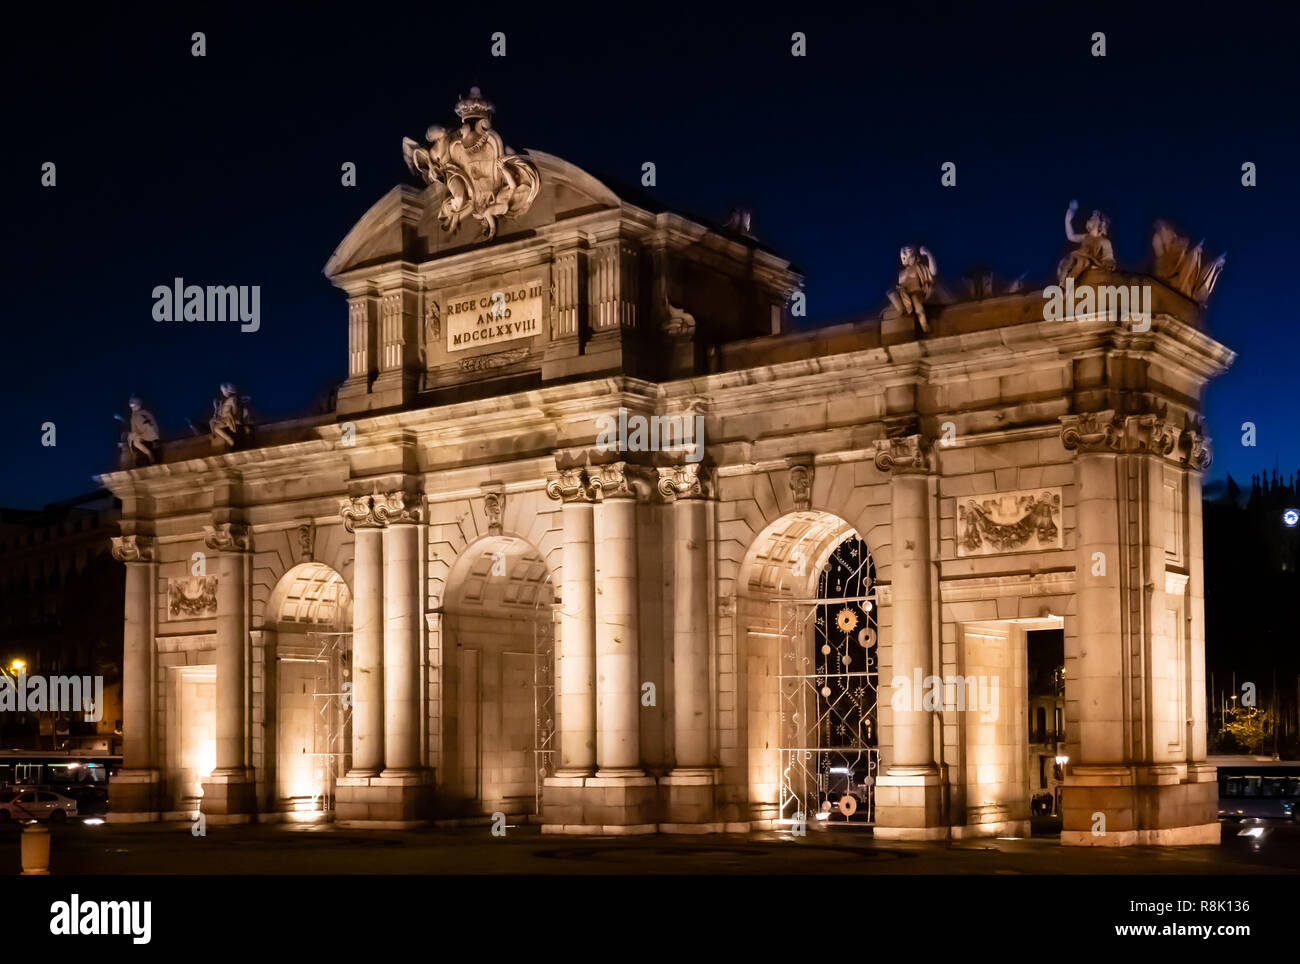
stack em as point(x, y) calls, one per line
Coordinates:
point(622, 480)
point(227, 537)
point(134, 548)
point(686, 481)
point(571, 485)
point(905, 454)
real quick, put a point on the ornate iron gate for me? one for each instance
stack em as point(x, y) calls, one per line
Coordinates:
point(545, 749)
point(828, 678)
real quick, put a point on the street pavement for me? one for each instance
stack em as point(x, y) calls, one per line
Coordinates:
point(110, 849)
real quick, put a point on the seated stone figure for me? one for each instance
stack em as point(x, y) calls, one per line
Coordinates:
point(1094, 248)
point(230, 422)
point(140, 440)
point(915, 284)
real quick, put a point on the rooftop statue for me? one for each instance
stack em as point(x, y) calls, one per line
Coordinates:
point(1182, 269)
point(478, 174)
point(915, 284)
point(141, 435)
point(231, 421)
point(1094, 248)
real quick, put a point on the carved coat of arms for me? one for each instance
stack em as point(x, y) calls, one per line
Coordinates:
point(478, 174)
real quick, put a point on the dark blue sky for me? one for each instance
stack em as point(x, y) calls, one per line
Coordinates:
point(226, 170)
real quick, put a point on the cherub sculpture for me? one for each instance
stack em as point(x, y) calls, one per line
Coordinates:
point(141, 435)
point(1094, 248)
point(230, 417)
point(915, 284)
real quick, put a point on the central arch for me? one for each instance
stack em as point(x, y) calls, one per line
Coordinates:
point(498, 666)
point(788, 667)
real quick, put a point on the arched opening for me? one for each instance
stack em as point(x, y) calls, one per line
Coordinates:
point(308, 647)
point(498, 678)
point(808, 614)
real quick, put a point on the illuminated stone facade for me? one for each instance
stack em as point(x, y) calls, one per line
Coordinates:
point(531, 616)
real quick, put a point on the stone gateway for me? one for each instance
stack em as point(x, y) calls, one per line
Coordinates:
point(497, 611)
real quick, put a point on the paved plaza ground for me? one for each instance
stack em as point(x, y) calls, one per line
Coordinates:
point(325, 849)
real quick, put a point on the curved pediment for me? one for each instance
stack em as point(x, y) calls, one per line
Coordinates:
point(404, 225)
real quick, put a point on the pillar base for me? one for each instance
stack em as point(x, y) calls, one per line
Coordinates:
point(1126, 806)
point(689, 801)
point(391, 800)
point(909, 804)
point(135, 796)
point(609, 802)
point(228, 793)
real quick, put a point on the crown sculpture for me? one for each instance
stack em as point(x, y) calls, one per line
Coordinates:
point(477, 173)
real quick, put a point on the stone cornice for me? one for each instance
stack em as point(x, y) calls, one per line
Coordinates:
point(228, 537)
point(135, 548)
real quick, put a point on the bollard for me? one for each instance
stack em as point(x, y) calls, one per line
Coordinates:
point(36, 850)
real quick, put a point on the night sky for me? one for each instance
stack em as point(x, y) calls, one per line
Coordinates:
point(225, 170)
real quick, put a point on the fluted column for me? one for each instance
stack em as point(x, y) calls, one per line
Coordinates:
point(618, 683)
point(360, 518)
point(577, 645)
point(691, 720)
point(402, 662)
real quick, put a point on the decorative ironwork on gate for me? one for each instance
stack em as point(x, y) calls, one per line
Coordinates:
point(829, 679)
point(331, 750)
point(545, 735)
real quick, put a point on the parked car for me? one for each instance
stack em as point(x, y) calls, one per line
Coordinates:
point(36, 804)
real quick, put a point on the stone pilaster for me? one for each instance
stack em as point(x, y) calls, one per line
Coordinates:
point(135, 789)
point(228, 791)
point(1135, 777)
point(910, 793)
point(689, 789)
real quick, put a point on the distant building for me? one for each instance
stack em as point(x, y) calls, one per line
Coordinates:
point(61, 594)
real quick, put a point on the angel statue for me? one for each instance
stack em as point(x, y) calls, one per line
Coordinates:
point(141, 435)
point(1094, 248)
point(915, 284)
point(230, 416)
point(479, 175)
point(1183, 269)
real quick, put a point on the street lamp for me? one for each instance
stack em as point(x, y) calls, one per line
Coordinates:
point(17, 666)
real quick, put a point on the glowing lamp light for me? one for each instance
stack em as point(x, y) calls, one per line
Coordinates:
point(17, 666)
point(93, 821)
point(1062, 760)
point(1290, 517)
